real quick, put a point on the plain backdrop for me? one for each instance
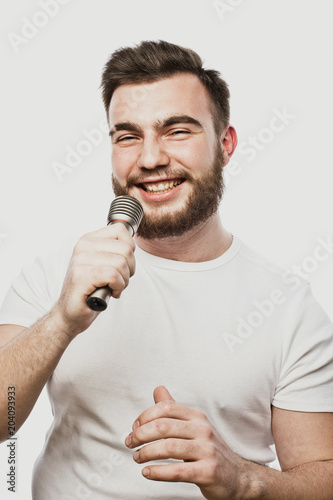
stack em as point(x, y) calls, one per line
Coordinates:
point(276, 58)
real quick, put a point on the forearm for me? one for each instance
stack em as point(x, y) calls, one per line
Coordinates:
point(306, 482)
point(26, 363)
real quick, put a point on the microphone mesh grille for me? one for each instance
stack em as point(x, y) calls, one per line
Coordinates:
point(128, 207)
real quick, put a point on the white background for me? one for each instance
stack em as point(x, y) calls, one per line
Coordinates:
point(274, 55)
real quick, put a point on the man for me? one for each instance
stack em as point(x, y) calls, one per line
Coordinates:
point(238, 355)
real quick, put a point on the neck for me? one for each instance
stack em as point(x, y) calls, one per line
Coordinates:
point(207, 241)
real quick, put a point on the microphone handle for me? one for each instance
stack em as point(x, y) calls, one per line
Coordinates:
point(99, 299)
point(128, 211)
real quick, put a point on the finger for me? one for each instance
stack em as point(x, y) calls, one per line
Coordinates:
point(110, 268)
point(167, 409)
point(99, 251)
point(160, 428)
point(113, 231)
point(184, 472)
point(105, 270)
point(161, 393)
point(181, 449)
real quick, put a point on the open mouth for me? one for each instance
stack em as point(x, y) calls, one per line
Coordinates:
point(161, 186)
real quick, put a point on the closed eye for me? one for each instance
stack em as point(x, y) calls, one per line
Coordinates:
point(178, 132)
point(125, 138)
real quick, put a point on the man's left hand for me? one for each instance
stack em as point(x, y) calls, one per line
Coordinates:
point(176, 431)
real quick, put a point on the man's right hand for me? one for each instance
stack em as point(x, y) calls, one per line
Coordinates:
point(102, 258)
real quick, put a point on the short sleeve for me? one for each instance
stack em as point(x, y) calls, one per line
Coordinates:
point(36, 289)
point(306, 372)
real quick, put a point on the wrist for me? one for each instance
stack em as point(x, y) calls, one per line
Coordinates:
point(251, 483)
point(62, 329)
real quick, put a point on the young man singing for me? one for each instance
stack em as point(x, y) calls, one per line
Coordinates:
point(225, 388)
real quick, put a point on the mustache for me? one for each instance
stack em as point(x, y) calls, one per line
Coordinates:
point(161, 174)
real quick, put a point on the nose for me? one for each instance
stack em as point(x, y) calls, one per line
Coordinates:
point(152, 154)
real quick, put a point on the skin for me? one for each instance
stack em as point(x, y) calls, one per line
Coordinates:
point(153, 152)
point(28, 356)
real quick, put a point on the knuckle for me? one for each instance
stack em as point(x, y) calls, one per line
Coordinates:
point(143, 455)
point(163, 427)
point(181, 473)
point(202, 416)
point(192, 474)
point(122, 264)
point(115, 279)
point(78, 259)
point(81, 243)
point(167, 407)
point(75, 271)
point(210, 471)
point(190, 447)
point(137, 437)
point(170, 447)
point(206, 431)
point(128, 250)
point(210, 450)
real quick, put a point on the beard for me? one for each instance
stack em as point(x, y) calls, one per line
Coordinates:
point(201, 204)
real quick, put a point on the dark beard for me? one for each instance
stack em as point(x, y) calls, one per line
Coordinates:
point(201, 204)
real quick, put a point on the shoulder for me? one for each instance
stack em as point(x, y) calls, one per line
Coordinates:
point(45, 274)
point(255, 266)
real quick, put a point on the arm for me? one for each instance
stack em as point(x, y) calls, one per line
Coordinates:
point(304, 443)
point(26, 363)
point(28, 356)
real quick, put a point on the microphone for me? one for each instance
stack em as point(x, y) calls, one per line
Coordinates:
point(127, 211)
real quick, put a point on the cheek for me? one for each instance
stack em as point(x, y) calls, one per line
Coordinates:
point(122, 162)
point(183, 153)
point(192, 155)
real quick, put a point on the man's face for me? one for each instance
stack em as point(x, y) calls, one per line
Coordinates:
point(166, 154)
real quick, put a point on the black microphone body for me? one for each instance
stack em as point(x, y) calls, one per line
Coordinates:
point(128, 211)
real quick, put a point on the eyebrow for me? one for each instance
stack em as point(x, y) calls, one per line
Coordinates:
point(172, 120)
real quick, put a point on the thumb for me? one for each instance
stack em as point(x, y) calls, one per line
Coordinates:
point(161, 393)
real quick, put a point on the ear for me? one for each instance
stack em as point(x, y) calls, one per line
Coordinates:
point(161, 393)
point(229, 141)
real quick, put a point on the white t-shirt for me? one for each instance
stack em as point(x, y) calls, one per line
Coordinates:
point(229, 337)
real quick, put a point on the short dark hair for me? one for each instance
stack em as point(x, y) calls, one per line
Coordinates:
point(150, 61)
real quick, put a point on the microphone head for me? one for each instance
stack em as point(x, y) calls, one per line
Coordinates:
point(127, 210)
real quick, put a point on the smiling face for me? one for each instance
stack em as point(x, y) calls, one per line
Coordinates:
point(166, 154)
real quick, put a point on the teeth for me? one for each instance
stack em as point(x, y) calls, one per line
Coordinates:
point(161, 187)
